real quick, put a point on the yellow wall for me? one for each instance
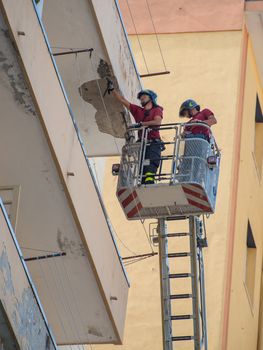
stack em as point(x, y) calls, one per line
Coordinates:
point(244, 312)
point(204, 66)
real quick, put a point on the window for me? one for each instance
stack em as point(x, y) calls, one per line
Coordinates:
point(258, 151)
point(250, 263)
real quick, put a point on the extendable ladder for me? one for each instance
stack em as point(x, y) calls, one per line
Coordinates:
point(197, 340)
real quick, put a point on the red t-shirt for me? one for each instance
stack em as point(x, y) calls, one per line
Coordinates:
point(199, 129)
point(143, 115)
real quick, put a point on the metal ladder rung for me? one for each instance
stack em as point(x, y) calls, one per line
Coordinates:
point(177, 234)
point(181, 317)
point(181, 296)
point(178, 255)
point(183, 337)
point(180, 275)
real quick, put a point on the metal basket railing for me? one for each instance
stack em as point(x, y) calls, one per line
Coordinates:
point(184, 160)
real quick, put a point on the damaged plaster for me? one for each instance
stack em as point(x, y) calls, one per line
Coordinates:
point(94, 331)
point(10, 73)
point(110, 116)
point(22, 309)
point(69, 246)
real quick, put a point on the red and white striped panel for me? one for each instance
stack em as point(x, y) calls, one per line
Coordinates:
point(130, 202)
point(196, 196)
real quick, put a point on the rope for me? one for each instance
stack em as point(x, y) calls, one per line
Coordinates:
point(156, 35)
point(135, 261)
point(137, 35)
point(125, 246)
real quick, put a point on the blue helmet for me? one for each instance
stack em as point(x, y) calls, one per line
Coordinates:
point(188, 105)
point(150, 93)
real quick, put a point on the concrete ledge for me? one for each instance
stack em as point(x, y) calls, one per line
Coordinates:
point(23, 324)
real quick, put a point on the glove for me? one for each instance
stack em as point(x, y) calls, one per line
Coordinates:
point(110, 85)
point(135, 126)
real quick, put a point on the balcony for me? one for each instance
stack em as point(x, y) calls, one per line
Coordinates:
point(94, 25)
point(50, 193)
point(23, 323)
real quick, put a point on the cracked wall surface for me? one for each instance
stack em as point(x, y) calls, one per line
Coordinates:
point(102, 120)
point(35, 147)
point(17, 297)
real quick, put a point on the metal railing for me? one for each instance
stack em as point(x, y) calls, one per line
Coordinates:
point(184, 157)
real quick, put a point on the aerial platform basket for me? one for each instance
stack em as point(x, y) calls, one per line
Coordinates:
point(186, 181)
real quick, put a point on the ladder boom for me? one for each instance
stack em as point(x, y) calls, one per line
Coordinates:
point(197, 294)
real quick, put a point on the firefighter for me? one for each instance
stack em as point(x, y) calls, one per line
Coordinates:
point(149, 114)
point(191, 110)
point(194, 150)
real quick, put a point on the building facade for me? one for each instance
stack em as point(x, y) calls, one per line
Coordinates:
point(62, 278)
point(211, 56)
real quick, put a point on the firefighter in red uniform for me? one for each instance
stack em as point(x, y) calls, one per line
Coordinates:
point(194, 148)
point(190, 109)
point(150, 114)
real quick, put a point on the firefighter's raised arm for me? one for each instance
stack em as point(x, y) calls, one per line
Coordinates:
point(119, 97)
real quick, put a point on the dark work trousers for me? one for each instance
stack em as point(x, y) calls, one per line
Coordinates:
point(153, 156)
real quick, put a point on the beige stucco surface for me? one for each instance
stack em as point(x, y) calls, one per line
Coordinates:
point(18, 300)
point(83, 24)
point(204, 66)
point(57, 211)
point(178, 16)
point(245, 312)
point(254, 24)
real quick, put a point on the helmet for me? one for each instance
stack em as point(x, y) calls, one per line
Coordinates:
point(188, 105)
point(150, 93)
